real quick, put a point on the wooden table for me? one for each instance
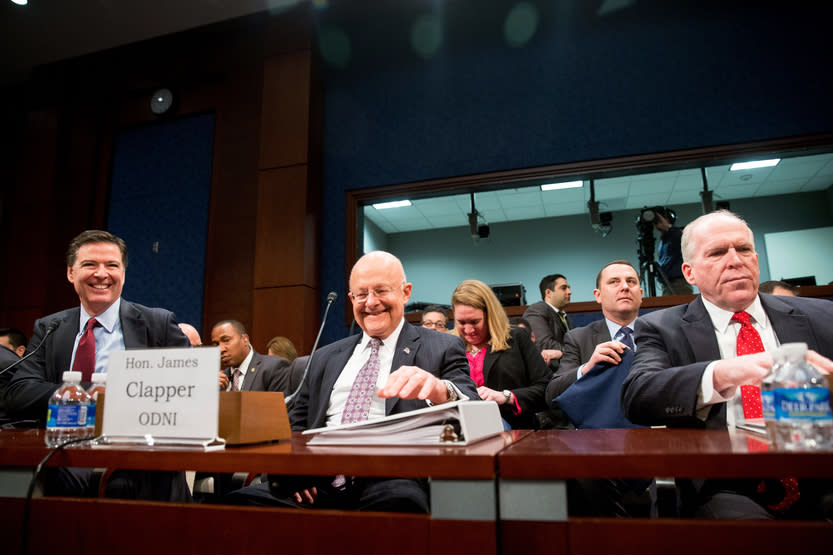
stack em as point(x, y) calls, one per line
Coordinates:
point(533, 500)
point(463, 501)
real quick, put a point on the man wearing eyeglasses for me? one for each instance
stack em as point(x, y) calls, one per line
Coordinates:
point(434, 317)
point(412, 368)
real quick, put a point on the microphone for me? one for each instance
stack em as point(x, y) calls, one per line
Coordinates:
point(53, 325)
point(331, 297)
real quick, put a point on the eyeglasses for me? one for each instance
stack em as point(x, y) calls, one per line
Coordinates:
point(437, 325)
point(379, 293)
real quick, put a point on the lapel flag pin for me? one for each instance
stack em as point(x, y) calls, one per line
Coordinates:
point(407, 350)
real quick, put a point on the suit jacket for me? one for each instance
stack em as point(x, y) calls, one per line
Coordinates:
point(440, 353)
point(579, 344)
point(265, 373)
point(7, 358)
point(294, 374)
point(39, 376)
point(521, 370)
point(675, 345)
point(548, 328)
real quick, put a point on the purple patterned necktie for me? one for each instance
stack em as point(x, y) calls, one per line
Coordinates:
point(235, 383)
point(363, 391)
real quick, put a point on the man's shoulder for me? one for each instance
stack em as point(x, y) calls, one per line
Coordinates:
point(269, 361)
point(153, 312)
point(672, 314)
point(807, 305)
point(538, 308)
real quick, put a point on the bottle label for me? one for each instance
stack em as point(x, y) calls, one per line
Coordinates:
point(803, 404)
point(66, 416)
point(91, 416)
point(768, 404)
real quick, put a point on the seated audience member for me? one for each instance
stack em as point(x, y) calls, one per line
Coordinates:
point(103, 322)
point(604, 341)
point(779, 288)
point(280, 346)
point(547, 318)
point(435, 317)
point(390, 368)
point(692, 359)
point(191, 333)
point(12, 347)
point(242, 368)
point(503, 361)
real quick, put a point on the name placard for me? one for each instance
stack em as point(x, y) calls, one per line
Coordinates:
point(162, 395)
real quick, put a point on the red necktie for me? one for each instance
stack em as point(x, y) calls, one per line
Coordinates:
point(749, 342)
point(85, 352)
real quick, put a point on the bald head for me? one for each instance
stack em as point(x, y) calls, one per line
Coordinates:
point(192, 334)
point(379, 293)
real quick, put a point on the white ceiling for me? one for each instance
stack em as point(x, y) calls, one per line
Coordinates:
point(791, 175)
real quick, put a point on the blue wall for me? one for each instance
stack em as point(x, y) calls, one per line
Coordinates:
point(655, 76)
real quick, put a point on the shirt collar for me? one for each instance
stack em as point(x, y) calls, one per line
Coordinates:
point(389, 342)
point(614, 328)
point(107, 319)
point(721, 319)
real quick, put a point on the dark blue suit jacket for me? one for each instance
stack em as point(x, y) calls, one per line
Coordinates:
point(39, 376)
point(440, 353)
point(675, 345)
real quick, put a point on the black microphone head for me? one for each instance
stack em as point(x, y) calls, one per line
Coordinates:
point(332, 296)
point(53, 325)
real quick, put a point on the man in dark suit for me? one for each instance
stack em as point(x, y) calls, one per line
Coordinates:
point(96, 264)
point(619, 294)
point(413, 367)
point(686, 368)
point(547, 317)
point(254, 371)
point(12, 347)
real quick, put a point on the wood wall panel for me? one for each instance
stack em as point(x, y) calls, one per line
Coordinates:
point(284, 132)
point(289, 311)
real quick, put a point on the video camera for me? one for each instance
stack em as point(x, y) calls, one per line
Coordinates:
point(649, 215)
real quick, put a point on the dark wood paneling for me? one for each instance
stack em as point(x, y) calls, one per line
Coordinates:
point(288, 311)
point(286, 107)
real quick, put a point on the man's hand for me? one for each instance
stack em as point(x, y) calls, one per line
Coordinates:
point(743, 370)
point(609, 351)
point(488, 394)
point(821, 362)
point(550, 354)
point(306, 496)
point(411, 382)
point(223, 381)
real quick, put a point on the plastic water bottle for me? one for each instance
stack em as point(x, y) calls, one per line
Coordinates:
point(99, 383)
point(67, 415)
point(803, 417)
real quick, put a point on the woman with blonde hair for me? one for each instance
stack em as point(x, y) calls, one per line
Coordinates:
point(503, 361)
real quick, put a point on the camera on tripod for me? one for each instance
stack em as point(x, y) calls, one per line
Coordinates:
point(648, 216)
point(645, 244)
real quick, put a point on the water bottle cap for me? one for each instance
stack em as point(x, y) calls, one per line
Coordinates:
point(70, 376)
point(99, 377)
point(791, 351)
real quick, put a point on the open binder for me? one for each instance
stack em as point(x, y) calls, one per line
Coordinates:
point(451, 424)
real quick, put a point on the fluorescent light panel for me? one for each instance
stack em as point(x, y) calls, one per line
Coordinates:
point(566, 185)
point(755, 164)
point(394, 204)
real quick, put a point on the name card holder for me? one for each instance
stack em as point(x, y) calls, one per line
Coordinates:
point(253, 417)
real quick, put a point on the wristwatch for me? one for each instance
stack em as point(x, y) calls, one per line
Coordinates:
point(452, 393)
point(508, 395)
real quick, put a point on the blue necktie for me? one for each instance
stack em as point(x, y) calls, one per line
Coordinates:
point(626, 336)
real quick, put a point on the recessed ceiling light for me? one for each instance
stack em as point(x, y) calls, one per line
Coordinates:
point(755, 164)
point(566, 185)
point(20, 2)
point(394, 204)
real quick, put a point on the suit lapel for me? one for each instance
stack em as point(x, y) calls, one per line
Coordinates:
point(698, 330)
point(133, 326)
point(489, 361)
point(64, 338)
point(789, 326)
point(250, 372)
point(601, 333)
point(404, 355)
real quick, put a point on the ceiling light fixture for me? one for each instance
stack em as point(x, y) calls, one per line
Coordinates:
point(566, 185)
point(755, 164)
point(20, 2)
point(393, 204)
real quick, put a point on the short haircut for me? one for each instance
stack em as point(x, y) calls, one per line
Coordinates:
point(16, 337)
point(283, 346)
point(477, 294)
point(625, 262)
point(95, 236)
point(687, 242)
point(237, 325)
point(548, 282)
point(769, 287)
point(435, 308)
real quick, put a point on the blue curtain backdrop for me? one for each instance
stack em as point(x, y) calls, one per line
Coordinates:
point(159, 205)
